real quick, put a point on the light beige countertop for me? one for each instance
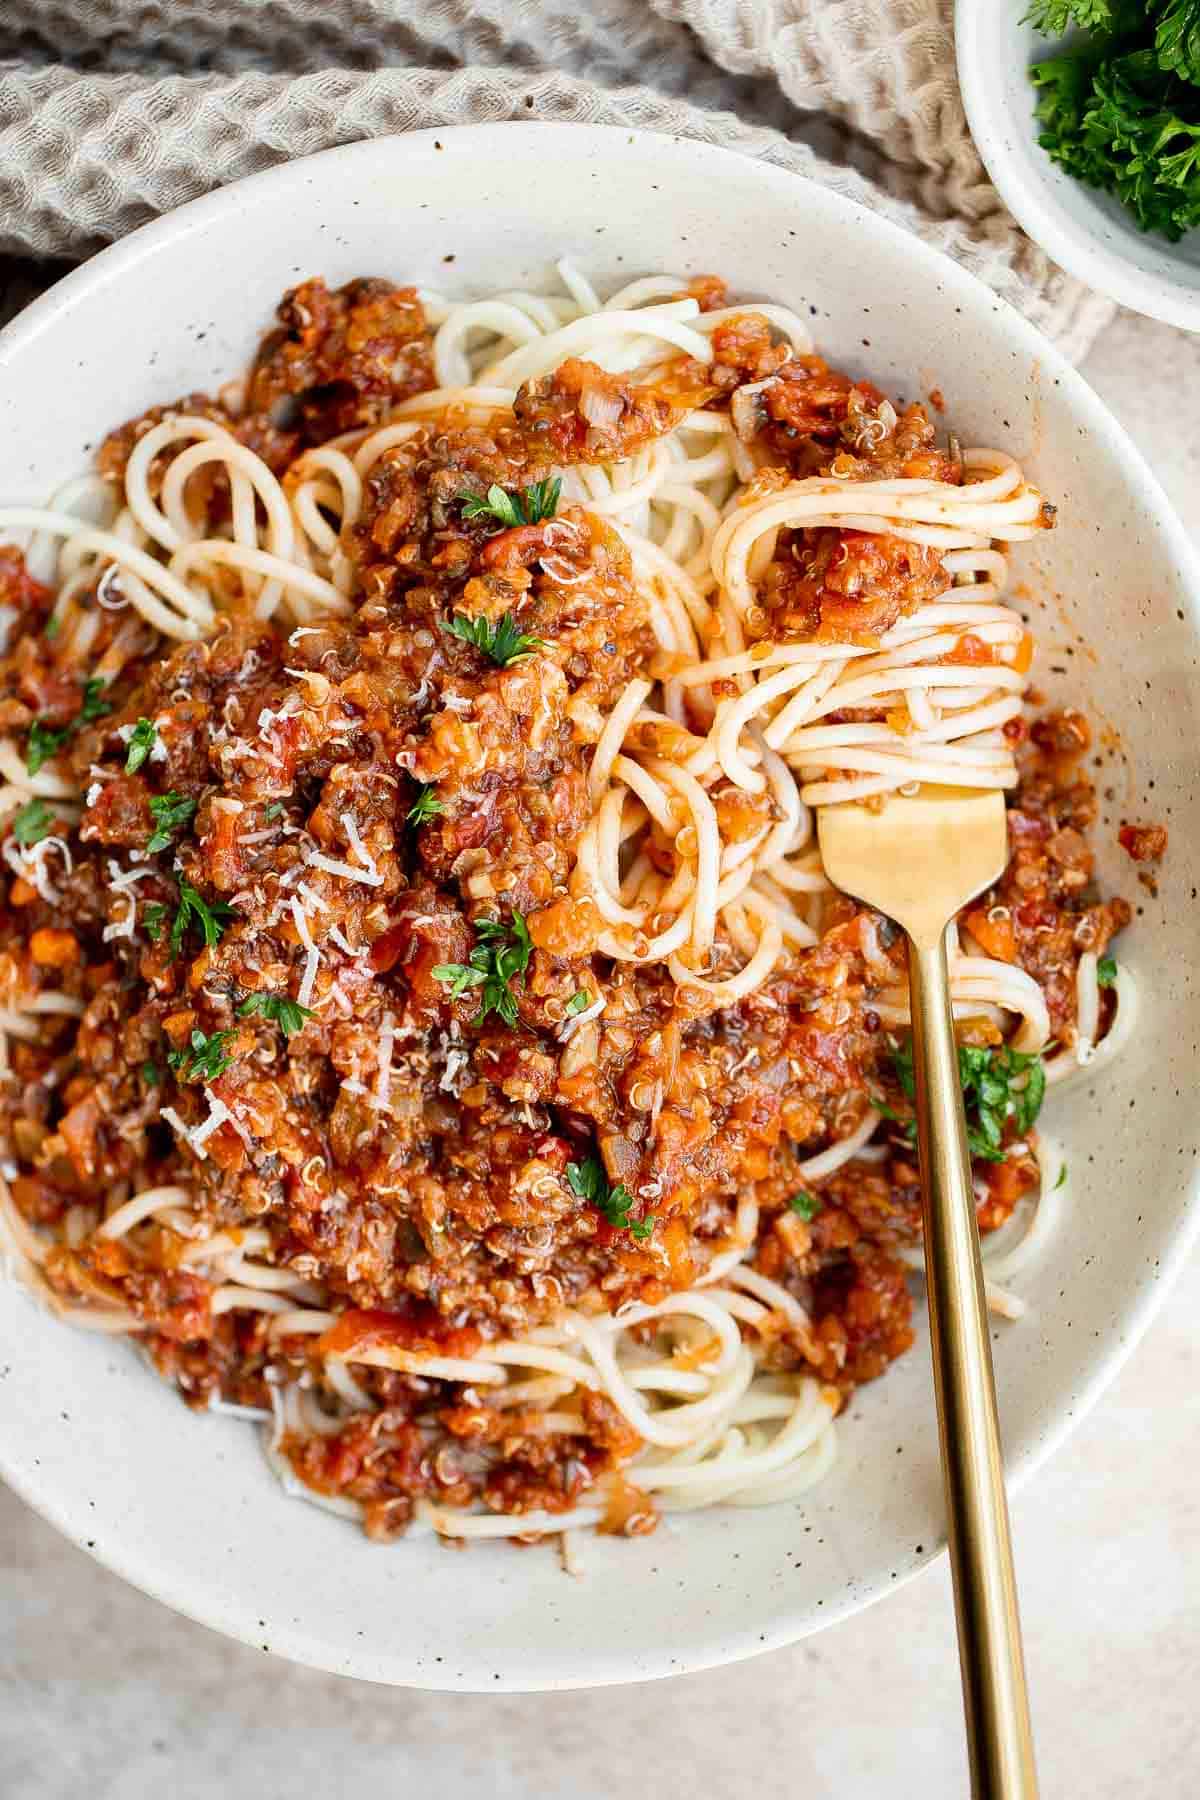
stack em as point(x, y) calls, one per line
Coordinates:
point(104, 1694)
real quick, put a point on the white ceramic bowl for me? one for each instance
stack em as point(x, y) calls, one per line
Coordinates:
point(184, 1506)
point(1088, 232)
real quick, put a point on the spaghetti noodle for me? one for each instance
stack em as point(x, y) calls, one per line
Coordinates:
point(427, 1026)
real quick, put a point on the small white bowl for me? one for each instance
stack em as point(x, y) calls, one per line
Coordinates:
point(184, 1506)
point(1088, 232)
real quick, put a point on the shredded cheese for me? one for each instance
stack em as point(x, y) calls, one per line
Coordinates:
point(339, 938)
point(569, 1027)
point(216, 1118)
point(331, 865)
point(312, 960)
point(360, 849)
point(383, 1080)
point(457, 1061)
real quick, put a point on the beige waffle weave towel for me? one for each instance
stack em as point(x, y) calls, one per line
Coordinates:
point(112, 111)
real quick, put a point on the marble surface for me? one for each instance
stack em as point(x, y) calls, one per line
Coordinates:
point(104, 1693)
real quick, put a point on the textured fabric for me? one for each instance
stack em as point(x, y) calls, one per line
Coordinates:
point(112, 111)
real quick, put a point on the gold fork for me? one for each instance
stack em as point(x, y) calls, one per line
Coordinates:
point(919, 859)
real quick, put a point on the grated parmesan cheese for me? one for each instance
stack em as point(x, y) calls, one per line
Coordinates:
point(217, 1117)
point(331, 865)
point(339, 938)
point(383, 1081)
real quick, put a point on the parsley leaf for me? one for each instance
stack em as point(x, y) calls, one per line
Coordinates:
point(1053, 17)
point(1106, 971)
point(578, 1003)
point(529, 507)
point(170, 813)
point(141, 743)
point(95, 706)
point(805, 1206)
point(997, 1085)
point(289, 1015)
point(204, 1059)
point(588, 1180)
point(1177, 39)
point(500, 956)
point(151, 1074)
point(32, 823)
point(153, 917)
point(502, 642)
point(426, 806)
point(1120, 112)
point(195, 913)
point(44, 742)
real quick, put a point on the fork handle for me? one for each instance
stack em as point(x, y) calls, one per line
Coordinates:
point(999, 1739)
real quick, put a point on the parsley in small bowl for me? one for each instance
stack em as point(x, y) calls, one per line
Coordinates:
point(1087, 115)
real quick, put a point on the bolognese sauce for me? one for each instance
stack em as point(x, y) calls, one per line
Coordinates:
point(304, 933)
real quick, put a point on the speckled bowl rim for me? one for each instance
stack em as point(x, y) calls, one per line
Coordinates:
point(180, 1585)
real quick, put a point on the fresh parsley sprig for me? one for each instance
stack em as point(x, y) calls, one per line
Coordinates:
point(1121, 109)
point(504, 643)
point(426, 806)
point(204, 1058)
point(289, 1015)
point(46, 741)
point(997, 1085)
point(805, 1206)
point(170, 812)
point(1106, 971)
point(195, 914)
point(500, 957)
point(1053, 17)
point(141, 743)
point(95, 706)
point(588, 1180)
point(32, 823)
point(154, 916)
point(529, 506)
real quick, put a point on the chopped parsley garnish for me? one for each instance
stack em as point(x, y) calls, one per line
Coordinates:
point(1062, 1176)
point(195, 913)
point(805, 1206)
point(578, 1003)
point(1106, 971)
point(170, 813)
point(502, 642)
point(426, 806)
point(153, 918)
point(52, 627)
point(529, 507)
point(141, 743)
point(289, 1015)
point(44, 742)
point(1120, 110)
point(204, 1059)
point(95, 706)
point(997, 1085)
point(501, 955)
point(588, 1180)
point(151, 1074)
point(32, 823)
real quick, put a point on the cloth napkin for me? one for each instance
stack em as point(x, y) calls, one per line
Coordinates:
point(112, 111)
